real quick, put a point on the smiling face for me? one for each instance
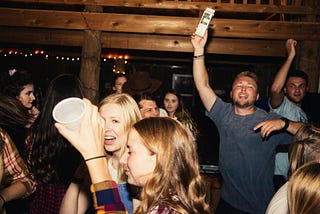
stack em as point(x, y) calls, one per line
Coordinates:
point(139, 162)
point(171, 103)
point(244, 92)
point(115, 135)
point(26, 96)
point(295, 88)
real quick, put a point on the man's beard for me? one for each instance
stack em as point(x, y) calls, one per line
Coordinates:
point(243, 105)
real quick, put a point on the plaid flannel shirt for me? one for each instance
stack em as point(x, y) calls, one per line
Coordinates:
point(106, 198)
point(14, 168)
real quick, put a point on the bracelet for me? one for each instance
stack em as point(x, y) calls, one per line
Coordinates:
point(198, 57)
point(286, 124)
point(2, 198)
point(89, 159)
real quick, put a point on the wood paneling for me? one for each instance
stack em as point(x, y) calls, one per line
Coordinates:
point(143, 42)
point(156, 24)
point(243, 7)
point(238, 28)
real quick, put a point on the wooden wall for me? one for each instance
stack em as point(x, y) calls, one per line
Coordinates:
point(240, 27)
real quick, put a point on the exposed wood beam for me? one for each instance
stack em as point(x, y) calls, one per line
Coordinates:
point(183, 44)
point(185, 5)
point(41, 36)
point(131, 41)
point(151, 24)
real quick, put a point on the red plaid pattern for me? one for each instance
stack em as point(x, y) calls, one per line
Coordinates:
point(47, 198)
point(14, 168)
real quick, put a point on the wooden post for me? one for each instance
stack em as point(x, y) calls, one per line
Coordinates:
point(309, 63)
point(309, 54)
point(90, 60)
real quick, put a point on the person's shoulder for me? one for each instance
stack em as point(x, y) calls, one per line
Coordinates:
point(279, 202)
point(220, 107)
point(6, 140)
point(163, 113)
point(266, 114)
point(221, 102)
point(282, 106)
point(273, 115)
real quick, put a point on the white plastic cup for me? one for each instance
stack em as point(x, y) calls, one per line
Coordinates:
point(69, 112)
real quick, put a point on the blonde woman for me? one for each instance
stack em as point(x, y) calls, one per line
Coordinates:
point(305, 147)
point(120, 112)
point(303, 189)
point(158, 159)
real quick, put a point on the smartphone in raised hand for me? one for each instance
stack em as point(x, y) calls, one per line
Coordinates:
point(204, 22)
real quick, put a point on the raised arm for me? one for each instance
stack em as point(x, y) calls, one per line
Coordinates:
point(277, 93)
point(88, 140)
point(200, 74)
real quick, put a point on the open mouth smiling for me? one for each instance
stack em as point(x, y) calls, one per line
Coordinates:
point(109, 139)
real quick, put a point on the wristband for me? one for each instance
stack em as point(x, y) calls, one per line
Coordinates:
point(89, 159)
point(198, 57)
point(286, 124)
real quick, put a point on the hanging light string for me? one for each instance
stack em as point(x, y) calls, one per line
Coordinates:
point(118, 67)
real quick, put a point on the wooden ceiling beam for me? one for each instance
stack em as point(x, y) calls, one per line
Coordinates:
point(185, 5)
point(129, 41)
point(151, 24)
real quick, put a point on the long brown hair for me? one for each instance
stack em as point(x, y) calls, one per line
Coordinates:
point(177, 170)
point(183, 115)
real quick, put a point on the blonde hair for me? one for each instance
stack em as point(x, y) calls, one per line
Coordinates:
point(130, 114)
point(305, 147)
point(304, 189)
point(249, 74)
point(177, 170)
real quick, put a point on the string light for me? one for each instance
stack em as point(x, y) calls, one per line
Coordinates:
point(119, 60)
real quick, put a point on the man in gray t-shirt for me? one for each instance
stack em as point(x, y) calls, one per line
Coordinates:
point(247, 147)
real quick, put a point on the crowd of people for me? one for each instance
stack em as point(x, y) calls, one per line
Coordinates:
point(136, 151)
